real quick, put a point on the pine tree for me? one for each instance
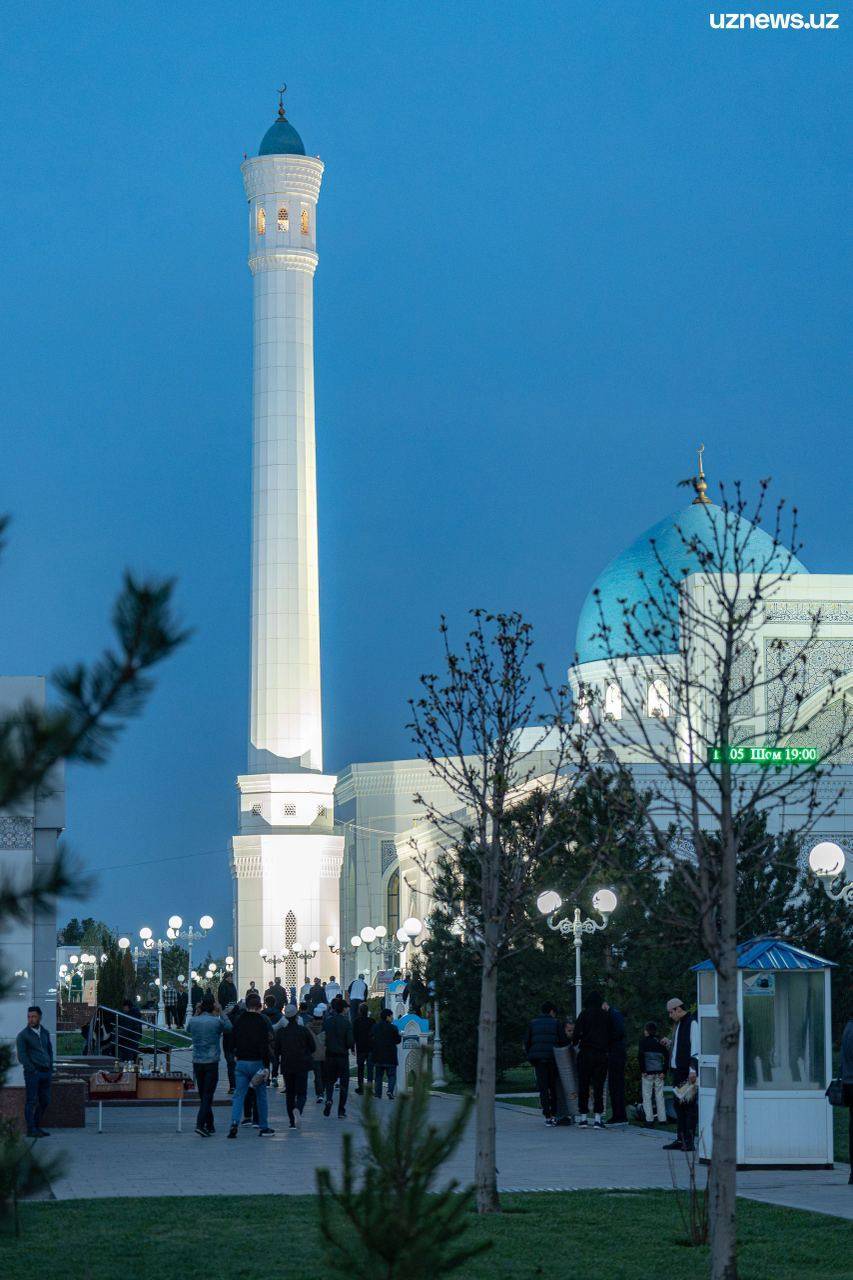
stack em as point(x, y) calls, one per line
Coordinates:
point(394, 1225)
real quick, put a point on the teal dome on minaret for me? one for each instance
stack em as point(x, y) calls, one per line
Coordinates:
point(281, 139)
point(623, 589)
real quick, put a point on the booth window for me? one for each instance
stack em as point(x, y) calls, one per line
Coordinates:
point(392, 901)
point(784, 1030)
point(707, 986)
point(709, 1036)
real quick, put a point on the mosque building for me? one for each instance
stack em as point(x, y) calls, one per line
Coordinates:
point(317, 857)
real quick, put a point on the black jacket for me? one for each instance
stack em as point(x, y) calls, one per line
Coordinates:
point(316, 995)
point(339, 1037)
point(544, 1034)
point(593, 1031)
point(227, 993)
point(294, 1045)
point(383, 1044)
point(252, 1038)
point(652, 1056)
point(362, 1030)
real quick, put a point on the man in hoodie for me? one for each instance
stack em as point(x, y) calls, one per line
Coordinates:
point(295, 1047)
point(339, 1042)
point(35, 1054)
point(252, 1051)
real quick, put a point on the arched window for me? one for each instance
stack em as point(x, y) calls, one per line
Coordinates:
point(583, 709)
point(658, 702)
point(261, 220)
point(613, 700)
point(283, 218)
point(392, 903)
point(291, 965)
point(305, 222)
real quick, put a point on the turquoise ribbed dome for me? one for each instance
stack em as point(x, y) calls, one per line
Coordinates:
point(620, 587)
point(281, 139)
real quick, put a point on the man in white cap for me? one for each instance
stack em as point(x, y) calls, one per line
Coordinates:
point(683, 1050)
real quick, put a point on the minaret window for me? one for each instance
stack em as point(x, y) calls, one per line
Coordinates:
point(305, 222)
point(613, 700)
point(261, 220)
point(658, 702)
point(283, 218)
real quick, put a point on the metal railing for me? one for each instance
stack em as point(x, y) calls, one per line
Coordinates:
point(124, 1037)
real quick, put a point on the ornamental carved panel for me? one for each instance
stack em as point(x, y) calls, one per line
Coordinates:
point(805, 610)
point(822, 658)
point(16, 833)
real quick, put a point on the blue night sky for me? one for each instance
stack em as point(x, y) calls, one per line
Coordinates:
point(560, 245)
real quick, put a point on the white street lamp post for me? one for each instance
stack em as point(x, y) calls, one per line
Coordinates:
point(604, 902)
point(826, 861)
point(190, 935)
point(274, 960)
point(305, 953)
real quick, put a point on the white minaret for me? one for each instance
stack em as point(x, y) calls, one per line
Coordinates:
point(286, 860)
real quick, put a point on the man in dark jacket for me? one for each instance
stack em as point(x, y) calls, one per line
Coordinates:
point(276, 1019)
point(252, 1051)
point(383, 1051)
point(593, 1033)
point(544, 1034)
point(316, 994)
point(683, 1051)
point(295, 1047)
point(280, 995)
point(362, 1030)
point(227, 993)
point(339, 1042)
point(617, 1058)
point(35, 1054)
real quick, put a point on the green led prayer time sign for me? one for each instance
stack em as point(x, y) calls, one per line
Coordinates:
point(763, 755)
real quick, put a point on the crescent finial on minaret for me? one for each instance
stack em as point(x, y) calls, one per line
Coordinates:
point(282, 91)
point(700, 484)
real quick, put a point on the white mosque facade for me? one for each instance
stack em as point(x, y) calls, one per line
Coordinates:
point(318, 857)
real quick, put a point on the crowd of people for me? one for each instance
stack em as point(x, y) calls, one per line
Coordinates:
point(574, 1058)
point(289, 1041)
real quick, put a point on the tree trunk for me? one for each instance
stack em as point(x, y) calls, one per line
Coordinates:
point(723, 1176)
point(485, 1163)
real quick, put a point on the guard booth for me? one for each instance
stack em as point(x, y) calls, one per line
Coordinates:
point(784, 1006)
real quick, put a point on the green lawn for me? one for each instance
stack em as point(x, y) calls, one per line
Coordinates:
point(549, 1236)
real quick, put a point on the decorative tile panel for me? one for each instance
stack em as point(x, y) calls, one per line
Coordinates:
point(16, 833)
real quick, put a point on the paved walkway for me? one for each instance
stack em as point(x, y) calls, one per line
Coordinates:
point(140, 1153)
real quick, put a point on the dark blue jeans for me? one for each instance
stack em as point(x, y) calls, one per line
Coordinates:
point(391, 1071)
point(37, 1084)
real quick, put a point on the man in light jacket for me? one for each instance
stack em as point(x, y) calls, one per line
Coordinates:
point(35, 1054)
point(356, 991)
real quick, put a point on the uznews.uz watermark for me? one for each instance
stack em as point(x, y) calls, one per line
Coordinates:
point(774, 21)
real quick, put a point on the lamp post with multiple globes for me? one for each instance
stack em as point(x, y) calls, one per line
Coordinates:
point(176, 932)
point(305, 953)
point(604, 902)
point(274, 960)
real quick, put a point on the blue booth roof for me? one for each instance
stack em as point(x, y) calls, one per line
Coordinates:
point(772, 953)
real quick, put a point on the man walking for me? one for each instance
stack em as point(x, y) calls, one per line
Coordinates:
point(544, 1035)
point(683, 1050)
point(383, 1051)
point(295, 1047)
point(362, 1030)
point(35, 1054)
point(356, 991)
point(617, 1058)
point(332, 989)
point(252, 1051)
point(170, 1002)
point(339, 1042)
point(227, 993)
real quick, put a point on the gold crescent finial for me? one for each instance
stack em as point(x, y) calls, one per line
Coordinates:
point(282, 91)
point(700, 484)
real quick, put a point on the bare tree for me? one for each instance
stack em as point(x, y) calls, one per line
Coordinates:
point(469, 725)
point(691, 684)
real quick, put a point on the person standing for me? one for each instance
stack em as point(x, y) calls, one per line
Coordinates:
point(617, 1058)
point(315, 1026)
point(683, 1051)
point(316, 995)
point(183, 1003)
point(383, 1051)
point(280, 995)
point(356, 993)
point(207, 1030)
point(196, 996)
point(592, 1035)
point(332, 989)
point(846, 1072)
point(227, 992)
point(362, 1031)
point(651, 1056)
point(544, 1034)
point(128, 1033)
point(252, 1046)
point(276, 1019)
point(170, 1003)
point(339, 1042)
point(295, 1047)
point(35, 1054)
